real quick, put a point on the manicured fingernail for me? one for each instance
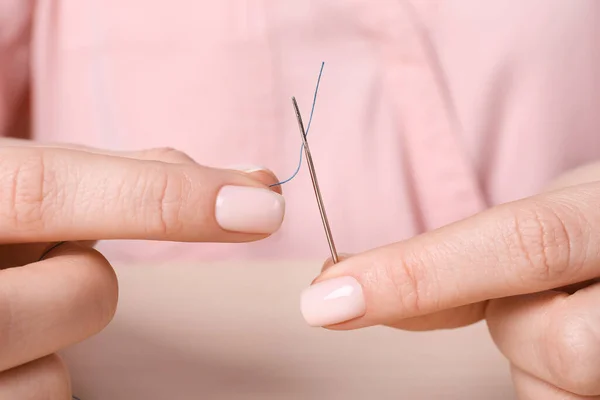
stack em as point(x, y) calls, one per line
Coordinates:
point(249, 209)
point(332, 302)
point(247, 168)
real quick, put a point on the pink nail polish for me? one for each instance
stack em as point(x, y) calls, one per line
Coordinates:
point(249, 209)
point(247, 168)
point(333, 301)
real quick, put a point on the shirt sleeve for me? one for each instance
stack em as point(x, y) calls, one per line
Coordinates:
point(15, 33)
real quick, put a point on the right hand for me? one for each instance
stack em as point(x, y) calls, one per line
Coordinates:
point(50, 300)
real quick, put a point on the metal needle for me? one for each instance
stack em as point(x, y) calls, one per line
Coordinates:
point(313, 176)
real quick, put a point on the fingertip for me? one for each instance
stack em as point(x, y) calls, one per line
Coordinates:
point(332, 302)
point(260, 174)
point(329, 262)
point(267, 178)
point(250, 210)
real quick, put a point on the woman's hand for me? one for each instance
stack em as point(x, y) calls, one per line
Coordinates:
point(52, 296)
point(529, 268)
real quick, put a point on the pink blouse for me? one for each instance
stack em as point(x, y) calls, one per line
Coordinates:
point(429, 110)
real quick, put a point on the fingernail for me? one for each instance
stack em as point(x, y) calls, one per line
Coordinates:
point(332, 302)
point(247, 168)
point(249, 209)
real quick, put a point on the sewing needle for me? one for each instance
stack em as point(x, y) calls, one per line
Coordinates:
point(313, 176)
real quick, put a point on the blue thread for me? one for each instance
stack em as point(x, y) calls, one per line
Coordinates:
point(301, 146)
point(307, 129)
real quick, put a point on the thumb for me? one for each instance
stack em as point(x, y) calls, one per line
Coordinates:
point(532, 245)
point(329, 263)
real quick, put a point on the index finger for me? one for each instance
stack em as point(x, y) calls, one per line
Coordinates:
point(52, 194)
point(522, 247)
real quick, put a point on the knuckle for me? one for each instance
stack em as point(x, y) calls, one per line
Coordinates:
point(403, 279)
point(162, 196)
point(28, 188)
point(545, 242)
point(167, 154)
point(573, 354)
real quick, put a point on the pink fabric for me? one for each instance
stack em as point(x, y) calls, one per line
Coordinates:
point(429, 110)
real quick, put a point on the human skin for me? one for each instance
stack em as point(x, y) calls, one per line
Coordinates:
point(230, 332)
point(54, 294)
point(528, 268)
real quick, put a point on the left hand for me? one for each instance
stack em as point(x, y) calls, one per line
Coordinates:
point(528, 268)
